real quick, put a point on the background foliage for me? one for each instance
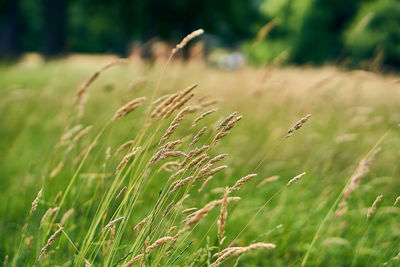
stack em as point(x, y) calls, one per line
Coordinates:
point(310, 31)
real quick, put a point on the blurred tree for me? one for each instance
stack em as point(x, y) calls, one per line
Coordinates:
point(54, 30)
point(9, 28)
point(320, 37)
point(314, 31)
point(375, 31)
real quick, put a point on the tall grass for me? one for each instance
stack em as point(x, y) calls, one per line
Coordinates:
point(119, 175)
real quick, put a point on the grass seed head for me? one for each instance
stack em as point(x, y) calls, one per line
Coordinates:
point(187, 39)
point(196, 120)
point(66, 216)
point(296, 178)
point(372, 209)
point(49, 242)
point(127, 108)
point(110, 224)
point(298, 125)
point(36, 201)
point(241, 181)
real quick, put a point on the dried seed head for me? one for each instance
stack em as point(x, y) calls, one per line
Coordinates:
point(125, 160)
point(180, 202)
point(223, 215)
point(80, 135)
point(157, 113)
point(121, 192)
point(396, 201)
point(112, 235)
point(66, 216)
point(298, 125)
point(201, 213)
point(194, 153)
point(127, 108)
point(49, 242)
point(179, 184)
point(395, 258)
point(225, 121)
point(180, 115)
point(218, 158)
point(83, 88)
point(113, 222)
point(176, 174)
point(185, 40)
point(196, 160)
point(134, 260)
point(65, 137)
point(178, 105)
point(161, 98)
point(196, 120)
point(205, 183)
point(176, 101)
point(197, 136)
point(372, 209)
point(268, 180)
point(48, 214)
point(146, 244)
point(159, 243)
point(171, 129)
point(225, 130)
point(217, 169)
point(57, 198)
point(140, 225)
point(241, 181)
point(57, 169)
point(171, 229)
point(296, 178)
point(362, 170)
point(36, 201)
point(203, 172)
point(172, 144)
point(234, 251)
point(173, 154)
point(168, 208)
point(232, 123)
point(108, 153)
point(189, 210)
point(5, 261)
point(87, 263)
point(169, 166)
point(125, 145)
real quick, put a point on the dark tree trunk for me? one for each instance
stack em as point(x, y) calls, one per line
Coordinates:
point(10, 29)
point(54, 26)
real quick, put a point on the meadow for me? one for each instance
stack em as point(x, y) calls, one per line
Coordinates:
point(71, 196)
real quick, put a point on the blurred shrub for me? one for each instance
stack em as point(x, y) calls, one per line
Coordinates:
point(375, 30)
point(266, 51)
point(311, 30)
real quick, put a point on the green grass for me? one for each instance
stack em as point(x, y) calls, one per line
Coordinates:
point(351, 111)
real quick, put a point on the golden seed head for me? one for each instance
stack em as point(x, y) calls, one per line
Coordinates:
point(296, 178)
point(187, 39)
point(241, 181)
point(127, 108)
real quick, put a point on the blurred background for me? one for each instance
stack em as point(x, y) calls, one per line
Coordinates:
point(351, 33)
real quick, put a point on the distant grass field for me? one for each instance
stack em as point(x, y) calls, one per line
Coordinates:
point(352, 114)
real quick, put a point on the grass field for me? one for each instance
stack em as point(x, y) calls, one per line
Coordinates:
point(353, 113)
